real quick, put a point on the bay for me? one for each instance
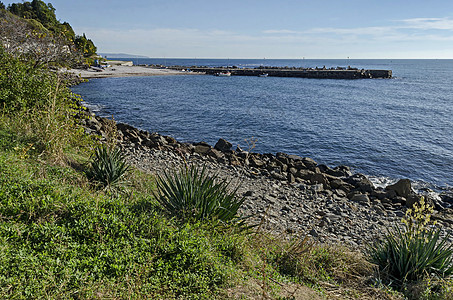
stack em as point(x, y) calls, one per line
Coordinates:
point(386, 128)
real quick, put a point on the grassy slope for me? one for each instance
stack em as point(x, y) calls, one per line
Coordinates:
point(61, 238)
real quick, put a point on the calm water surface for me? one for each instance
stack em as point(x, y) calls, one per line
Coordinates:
point(389, 128)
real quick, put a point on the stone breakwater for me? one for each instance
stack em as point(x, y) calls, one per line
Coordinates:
point(317, 73)
point(286, 194)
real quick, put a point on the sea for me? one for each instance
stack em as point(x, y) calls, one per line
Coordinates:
point(387, 129)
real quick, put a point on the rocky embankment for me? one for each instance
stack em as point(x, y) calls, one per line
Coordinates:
point(285, 194)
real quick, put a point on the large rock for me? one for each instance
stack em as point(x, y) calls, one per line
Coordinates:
point(361, 198)
point(412, 199)
point(215, 154)
point(309, 163)
point(402, 188)
point(305, 174)
point(294, 157)
point(202, 148)
point(361, 183)
point(256, 162)
point(320, 178)
point(340, 171)
point(223, 145)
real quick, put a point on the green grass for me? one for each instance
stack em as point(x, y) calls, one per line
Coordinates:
point(62, 238)
point(59, 239)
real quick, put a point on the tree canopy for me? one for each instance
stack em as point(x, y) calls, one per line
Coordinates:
point(84, 45)
point(45, 14)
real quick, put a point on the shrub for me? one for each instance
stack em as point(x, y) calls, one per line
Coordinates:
point(107, 166)
point(416, 251)
point(36, 104)
point(191, 194)
point(22, 86)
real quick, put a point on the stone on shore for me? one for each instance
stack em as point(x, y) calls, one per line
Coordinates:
point(402, 188)
point(223, 145)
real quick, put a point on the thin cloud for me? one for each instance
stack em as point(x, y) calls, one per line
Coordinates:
point(428, 23)
point(193, 42)
point(280, 31)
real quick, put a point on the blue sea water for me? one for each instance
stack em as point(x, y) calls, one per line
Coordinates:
point(386, 128)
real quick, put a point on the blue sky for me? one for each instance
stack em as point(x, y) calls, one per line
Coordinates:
point(270, 29)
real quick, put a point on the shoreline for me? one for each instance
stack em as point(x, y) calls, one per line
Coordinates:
point(288, 194)
point(116, 71)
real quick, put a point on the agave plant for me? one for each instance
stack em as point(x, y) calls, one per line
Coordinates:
point(107, 166)
point(417, 250)
point(190, 194)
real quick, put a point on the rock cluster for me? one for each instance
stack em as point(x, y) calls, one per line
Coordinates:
point(284, 193)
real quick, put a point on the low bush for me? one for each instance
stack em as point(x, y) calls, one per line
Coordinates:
point(309, 262)
point(36, 104)
point(190, 194)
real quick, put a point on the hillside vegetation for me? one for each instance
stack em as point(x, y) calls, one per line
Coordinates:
point(32, 30)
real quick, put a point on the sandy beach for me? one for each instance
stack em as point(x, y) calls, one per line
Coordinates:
point(126, 71)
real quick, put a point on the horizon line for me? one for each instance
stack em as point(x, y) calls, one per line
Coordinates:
point(227, 58)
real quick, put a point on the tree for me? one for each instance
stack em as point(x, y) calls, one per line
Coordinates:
point(45, 15)
point(38, 10)
point(2, 6)
point(29, 40)
point(85, 46)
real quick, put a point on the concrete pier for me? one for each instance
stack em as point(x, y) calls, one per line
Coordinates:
point(350, 73)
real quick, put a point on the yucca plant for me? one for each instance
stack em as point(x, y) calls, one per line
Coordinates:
point(107, 166)
point(190, 194)
point(416, 251)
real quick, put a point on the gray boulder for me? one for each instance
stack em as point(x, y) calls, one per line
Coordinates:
point(402, 188)
point(223, 145)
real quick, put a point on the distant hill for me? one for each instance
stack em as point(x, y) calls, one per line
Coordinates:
point(121, 55)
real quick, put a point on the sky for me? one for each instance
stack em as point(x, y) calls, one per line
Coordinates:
point(358, 29)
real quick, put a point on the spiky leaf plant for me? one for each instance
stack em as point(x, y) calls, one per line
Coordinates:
point(190, 194)
point(107, 166)
point(416, 251)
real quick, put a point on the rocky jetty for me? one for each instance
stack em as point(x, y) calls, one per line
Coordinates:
point(284, 193)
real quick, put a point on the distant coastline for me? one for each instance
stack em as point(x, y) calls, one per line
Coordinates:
point(121, 55)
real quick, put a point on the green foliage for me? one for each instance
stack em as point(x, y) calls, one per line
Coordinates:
point(107, 167)
point(37, 10)
point(85, 46)
point(45, 15)
point(22, 86)
point(35, 103)
point(67, 31)
point(417, 251)
point(59, 240)
point(2, 6)
point(191, 194)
